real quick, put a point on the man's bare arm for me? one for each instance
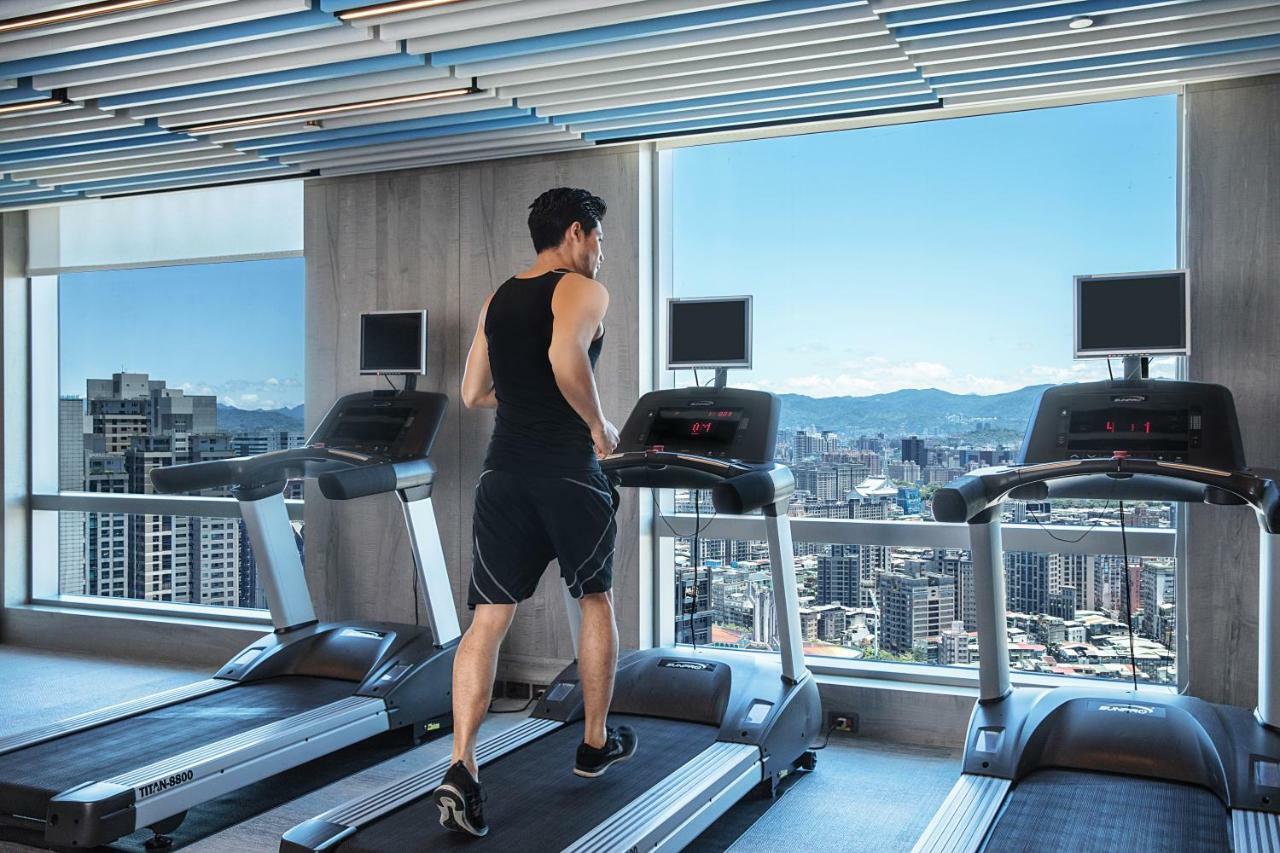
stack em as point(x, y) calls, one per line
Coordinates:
point(579, 306)
point(477, 378)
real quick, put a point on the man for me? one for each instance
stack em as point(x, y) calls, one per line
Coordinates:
point(541, 495)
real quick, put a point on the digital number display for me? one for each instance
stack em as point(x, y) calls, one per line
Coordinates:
point(694, 428)
point(1118, 428)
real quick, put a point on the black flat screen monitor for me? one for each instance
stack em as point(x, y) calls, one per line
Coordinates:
point(393, 342)
point(709, 332)
point(1142, 314)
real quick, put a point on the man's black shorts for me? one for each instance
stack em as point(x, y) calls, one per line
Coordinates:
point(522, 522)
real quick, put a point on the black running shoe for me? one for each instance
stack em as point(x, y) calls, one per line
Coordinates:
point(619, 745)
point(460, 799)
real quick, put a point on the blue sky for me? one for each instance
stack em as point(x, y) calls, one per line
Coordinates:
point(233, 329)
point(935, 254)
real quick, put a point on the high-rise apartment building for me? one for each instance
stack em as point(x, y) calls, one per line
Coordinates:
point(914, 611)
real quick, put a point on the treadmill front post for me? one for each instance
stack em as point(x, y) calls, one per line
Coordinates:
point(279, 567)
point(787, 606)
point(988, 592)
point(1268, 711)
point(433, 574)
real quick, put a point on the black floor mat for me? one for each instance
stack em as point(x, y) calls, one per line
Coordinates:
point(534, 800)
point(1105, 813)
point(30, 777)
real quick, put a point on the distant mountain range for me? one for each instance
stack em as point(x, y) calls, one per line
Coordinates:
point(232, 419)
point(912, 411)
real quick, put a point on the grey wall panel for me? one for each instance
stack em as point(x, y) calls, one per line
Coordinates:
point(443, 239)
point(1233, 223)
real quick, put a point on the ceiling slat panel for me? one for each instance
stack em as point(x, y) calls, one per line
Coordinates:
point(554, 75)
point(737, 80)
point(525, 39)
point(1187, 17)
point(756, 65)
point(235, 68)
point(147, 27)
point(794, 23)
point(820, 39)
point(236, 51)
point(261, 28)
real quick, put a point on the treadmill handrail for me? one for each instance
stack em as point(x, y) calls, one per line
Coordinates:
point(666, 458)
point(259, 470)
point(969, 496)
point(376, 479)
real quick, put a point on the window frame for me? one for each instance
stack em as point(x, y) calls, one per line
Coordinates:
point(1159, 542)
point(45, 500)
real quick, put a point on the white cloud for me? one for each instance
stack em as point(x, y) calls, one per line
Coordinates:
point(876, 374)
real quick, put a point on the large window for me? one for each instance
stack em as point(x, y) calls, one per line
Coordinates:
point(912, 290)
point(163, 366)
point(164, 329)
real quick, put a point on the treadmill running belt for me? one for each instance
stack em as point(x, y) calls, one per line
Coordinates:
point(535, 802)
point(1105, 813)
point(30, 777)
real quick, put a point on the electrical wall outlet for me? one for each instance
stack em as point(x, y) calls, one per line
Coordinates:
point(842, 721)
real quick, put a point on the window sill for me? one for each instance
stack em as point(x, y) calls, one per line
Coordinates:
point(129, 632)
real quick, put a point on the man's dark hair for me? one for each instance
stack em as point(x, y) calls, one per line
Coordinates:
point(555, 210)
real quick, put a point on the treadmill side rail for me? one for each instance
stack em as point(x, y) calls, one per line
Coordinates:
point(91, 814)
point(1255, 832)
point(674, 811)
point(110, 714)
point(965, 817)
point(325, 831)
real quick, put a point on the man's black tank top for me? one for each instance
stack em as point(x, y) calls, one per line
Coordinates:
point(536, 431)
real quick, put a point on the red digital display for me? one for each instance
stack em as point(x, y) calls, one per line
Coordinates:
point(691, 429)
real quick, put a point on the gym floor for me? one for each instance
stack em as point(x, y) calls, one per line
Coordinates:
point(865, 796)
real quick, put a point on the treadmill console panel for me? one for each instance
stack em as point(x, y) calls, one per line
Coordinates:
point(399, 425)
point(1164, 420)
point(720, 423)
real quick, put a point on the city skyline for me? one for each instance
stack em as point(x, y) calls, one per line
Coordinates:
point(243, 339)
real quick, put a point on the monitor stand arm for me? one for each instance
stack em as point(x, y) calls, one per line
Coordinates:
point(1136, 367)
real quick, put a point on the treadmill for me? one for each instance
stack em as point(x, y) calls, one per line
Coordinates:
point(302, 691)
point(1083, 768)
point(713, 723)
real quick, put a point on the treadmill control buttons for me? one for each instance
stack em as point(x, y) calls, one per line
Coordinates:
point(394, 673)
point(559, 691)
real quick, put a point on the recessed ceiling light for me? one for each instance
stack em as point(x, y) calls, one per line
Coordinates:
point(75, 13)
point(391, 8)
point(327, 111)
point(1080, 22)
point(32, 106)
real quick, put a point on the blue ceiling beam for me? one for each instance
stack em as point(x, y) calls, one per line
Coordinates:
point(408, 135)
point(630, 30)
point(295, 22)
point(1190, 51)
point(269, 142)
point(739, 97)
point(48, 195)
point(335, 6)
point(903, 29)
point(22, 92)
point(328, 71)
point(47, 152)
point(182, 174)
point(765, 118)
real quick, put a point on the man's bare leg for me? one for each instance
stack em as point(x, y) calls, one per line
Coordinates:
point(474, 668)
point(597, 662)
